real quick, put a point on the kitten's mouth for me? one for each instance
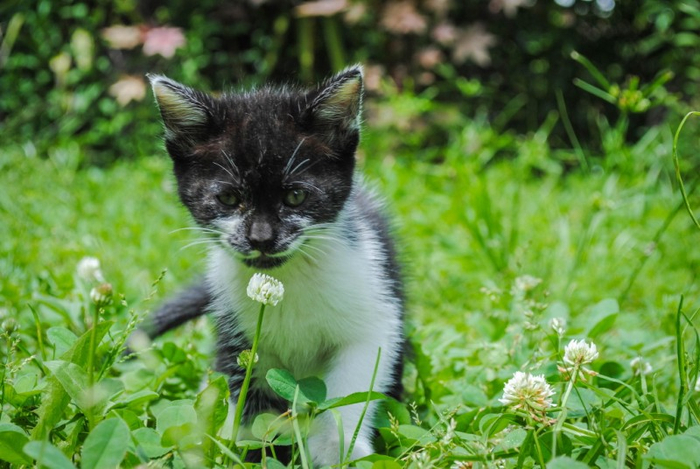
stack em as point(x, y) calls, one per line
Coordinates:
point(265, 261)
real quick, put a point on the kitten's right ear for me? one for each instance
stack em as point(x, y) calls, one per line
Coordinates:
point(186, 112)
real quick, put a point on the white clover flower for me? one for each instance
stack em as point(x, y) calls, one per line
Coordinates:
point(576, 354)
point(89, 269)
point(640, 366)
point(527, 392)
point(265, 289)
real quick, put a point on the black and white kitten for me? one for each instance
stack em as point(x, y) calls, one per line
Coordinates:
point(269, 176)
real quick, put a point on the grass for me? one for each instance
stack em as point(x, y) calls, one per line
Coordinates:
point(495, 248)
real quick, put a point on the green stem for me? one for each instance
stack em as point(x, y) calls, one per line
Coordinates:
point(677, 165)
point(91, 366)
point(4, 371)
point(562, 415)
point(538, 448)
point(246, 381)
point(680, 356)
point(297, 432)
point(364, 409)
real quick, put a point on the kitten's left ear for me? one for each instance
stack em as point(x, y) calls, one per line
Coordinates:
point(338, 101)
point(187, 113)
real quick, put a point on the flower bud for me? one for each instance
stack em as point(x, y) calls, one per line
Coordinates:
point(244, 358)
point(101, 295)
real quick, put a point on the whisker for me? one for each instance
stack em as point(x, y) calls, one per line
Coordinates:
point(228, 183)
point(292, 158)
point(337, 242)
point(303, 162)
point(226, 170)
point(199, 229)
point(308, 167)
point(316, 248)
point(199, 243)
point(232, 164)
point(304, 252)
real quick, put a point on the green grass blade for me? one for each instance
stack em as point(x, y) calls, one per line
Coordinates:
point(592, 69)
point(680, 357)
point(677, 166)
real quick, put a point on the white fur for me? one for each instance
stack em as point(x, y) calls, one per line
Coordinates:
point(338, 311)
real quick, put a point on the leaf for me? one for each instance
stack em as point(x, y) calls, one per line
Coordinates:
point(602, 317)
point(416, 435)
point(681, 449)
point(313, 388)
point(184, 436)
point(106, 445)
point(267, 426)
point(512, 440)
point(47, 455)
point(150, 441)
point(657, 418)
point(563, 462)
point(62, 338)
point(693, 431)
point(274, 464)
point(179, 413)
point(354, 398)
point(388, 464)
point(211, 405)
point(55, 399)
point(136, 399)
point(282, 382)
point(12, 440)
point(74, 381)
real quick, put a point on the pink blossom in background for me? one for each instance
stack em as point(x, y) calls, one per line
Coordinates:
point(429, 57)
point(473, 44)
point(163, 40)
point(445, 34)
point(320, 8)
point(403, 18)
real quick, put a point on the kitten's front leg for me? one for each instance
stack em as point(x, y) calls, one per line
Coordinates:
point(351, 372)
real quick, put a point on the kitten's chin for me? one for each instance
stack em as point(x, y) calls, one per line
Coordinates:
point(264, 262)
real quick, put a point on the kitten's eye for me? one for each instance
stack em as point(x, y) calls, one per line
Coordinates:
point(294, 197)
point(228, 199)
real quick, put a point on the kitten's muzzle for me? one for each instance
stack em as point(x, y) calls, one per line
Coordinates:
point(261, 236)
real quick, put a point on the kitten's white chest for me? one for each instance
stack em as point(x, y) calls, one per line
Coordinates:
point(325, 308)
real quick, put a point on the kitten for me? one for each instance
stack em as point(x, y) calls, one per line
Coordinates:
point(269, 176)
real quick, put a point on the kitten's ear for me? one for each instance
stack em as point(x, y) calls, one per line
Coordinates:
point(187, 113)
point(337, 103)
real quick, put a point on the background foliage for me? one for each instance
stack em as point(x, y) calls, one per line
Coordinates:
point(506, 59)
point(529, 184)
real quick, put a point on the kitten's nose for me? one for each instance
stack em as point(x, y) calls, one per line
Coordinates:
point(261, 235)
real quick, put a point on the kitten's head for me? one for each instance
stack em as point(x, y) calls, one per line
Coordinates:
point(264, 168)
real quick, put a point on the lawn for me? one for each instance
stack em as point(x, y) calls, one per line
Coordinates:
point(511, 250)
